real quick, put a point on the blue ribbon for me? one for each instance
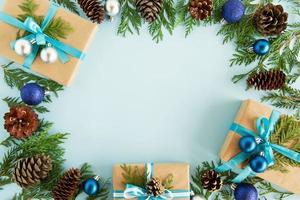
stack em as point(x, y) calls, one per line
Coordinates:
point(37, 34)
point(133, 191)
point(264, 127)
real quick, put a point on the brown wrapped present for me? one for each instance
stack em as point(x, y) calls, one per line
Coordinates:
point(246, 116)
point(174, 178)
point(79, 38)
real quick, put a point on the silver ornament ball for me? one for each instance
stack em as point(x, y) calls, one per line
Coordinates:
point(49, 55)
point(112, 7)
point(23, 47)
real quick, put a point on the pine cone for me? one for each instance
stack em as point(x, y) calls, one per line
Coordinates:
point(155, 187)
point(267, 80)
point(149, 9)
point(93, 10)
point(30, 171)
point(211, 180)
point(67, 185)
point(200, 9)
point(270, 19)
point(21, 121)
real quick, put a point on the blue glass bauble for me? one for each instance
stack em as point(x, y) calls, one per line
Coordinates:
point(258, 164)
point(261, 47)
point(91, 186)
point(32, 94)
point(245, 191)
point(247, 144)
point(233, 11)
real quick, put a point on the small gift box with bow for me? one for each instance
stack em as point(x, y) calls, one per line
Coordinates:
point(151, 181)
point(263, 143)
point(44, 38)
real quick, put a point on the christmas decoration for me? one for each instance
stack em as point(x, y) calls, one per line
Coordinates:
point(149, 9)
point(154, 187)
point(67, 185)
point(30, 171)
point(23, 47)
point(247, 144)
point(49, 55)
point(51, 34)
point(261, 47)
point(21, 121)
point(112, 8)
point(211, 180)
point(93, 10)
point(91, 186)
point(32, 94)
point(233, 11)
point(258, 164)
point(267, 80)
point(200, 9)
point(140, 180)
point(270, 19)
point(245, 191)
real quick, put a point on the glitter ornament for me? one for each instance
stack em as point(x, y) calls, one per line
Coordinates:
point(49, 55)
point(245, 191)
point(23, 47)
point(233, 11)
point(91, 186)
point(32, 94)
point(112, 8)
point(261, 47)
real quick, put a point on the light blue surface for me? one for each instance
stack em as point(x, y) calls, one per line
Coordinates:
point(137, 101)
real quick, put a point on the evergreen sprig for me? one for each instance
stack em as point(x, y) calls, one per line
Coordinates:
point(286, 133)
point(226, 193)
point(16, 101)
point(58, 28)
point(133, 175)
point(69, 4)
point(16, 77)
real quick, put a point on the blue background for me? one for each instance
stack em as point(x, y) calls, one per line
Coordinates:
point(137, 101)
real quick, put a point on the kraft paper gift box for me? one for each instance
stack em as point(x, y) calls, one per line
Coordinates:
point(179, 171)
point(79, 38)
point(249, 111)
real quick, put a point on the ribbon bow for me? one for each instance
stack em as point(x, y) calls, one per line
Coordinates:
point(133, 191)
point(264, 127)
point(39, 38)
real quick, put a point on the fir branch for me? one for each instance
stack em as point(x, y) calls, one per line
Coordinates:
point(69, 4)
point(130, 19)
point(133, 175)
point(267, 188)
point(15, 77)
point(286, 133)
point(168, 182)
point(16, 101)
point(288, 98)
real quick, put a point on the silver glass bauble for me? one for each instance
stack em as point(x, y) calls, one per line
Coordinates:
point(112, 8)
point(23, 47)
point(49, 55)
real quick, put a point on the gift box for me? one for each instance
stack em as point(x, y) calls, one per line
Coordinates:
point(247, 115)
point(124, 187)
point(79, 38)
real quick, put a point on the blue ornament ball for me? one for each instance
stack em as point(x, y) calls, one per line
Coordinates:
point(32, 94)
point(259, 164)
point(261, 47)
point(245, 191)
point(233, 11)
point(91, 186)
point(247, 144)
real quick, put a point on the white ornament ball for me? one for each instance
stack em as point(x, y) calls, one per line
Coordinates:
point(197, 197)
point(49, 55)
point(23, 47)
point(112, 7)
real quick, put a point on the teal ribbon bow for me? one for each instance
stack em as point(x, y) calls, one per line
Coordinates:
point(133, 191)
point(40, 38)
point(264, 127)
